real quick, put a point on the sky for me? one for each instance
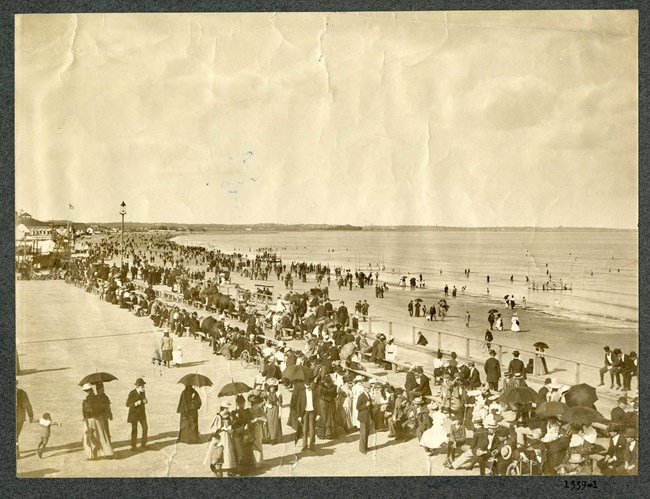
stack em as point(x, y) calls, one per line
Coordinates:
point(423, 118)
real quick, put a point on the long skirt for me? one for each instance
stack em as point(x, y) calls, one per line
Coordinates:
point(229, 459)
point(540, 366)
point(258, 448)
point(166, 355)
point(96, 442)
point(274, 423)
point(188, 432)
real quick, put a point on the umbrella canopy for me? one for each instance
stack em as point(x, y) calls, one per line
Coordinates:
point(195, 379)
point(493, 311)
point(541, 344)
point(582, 395)
point(582, 415)
point(518, 395)
point(298, 372)
point(419, 299)
point(234, 388)
point(97, 378)
point(552, 408)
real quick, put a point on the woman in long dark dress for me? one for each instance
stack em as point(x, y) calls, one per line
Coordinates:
point(273, 410)
point(188, 407)
point(326, 425)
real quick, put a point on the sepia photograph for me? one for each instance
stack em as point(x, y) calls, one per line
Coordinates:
point(327, 244)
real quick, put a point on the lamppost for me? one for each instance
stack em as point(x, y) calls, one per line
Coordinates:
point(122, 212)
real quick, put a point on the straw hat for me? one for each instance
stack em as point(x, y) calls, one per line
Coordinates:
point(418, 401)
point(554, 384)
point(506, 452)
point(358, 378)
point(87, 386)
point(576, 458)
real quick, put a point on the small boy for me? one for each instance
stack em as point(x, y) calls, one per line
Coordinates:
point(45, 422)
point(456, 440)
point(214, 456)
point(467, 317)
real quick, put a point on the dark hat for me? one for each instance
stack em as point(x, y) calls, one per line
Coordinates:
point(617, 351)
point(140, 382)
point(516, 353)
point(471, 364)
point(622, 400)
point(631, 432)
point(548, 381)
point(418, 370)
point(606, 349)
point(614, 427)
point(633, 355)
point(492, 353)
point(47, 416)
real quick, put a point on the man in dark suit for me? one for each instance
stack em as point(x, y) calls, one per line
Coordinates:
point(516, 365)
point(543, 391)
point(615, 455)
point(482, 444)
point(618, 414)
point(617, 368)
point(463, 372)
point(492, 371)
point(342, 314)
point(627, 368)
point(609, 360)
point(364, 408)
point(474, 377)
point(136, 402)
point(304, 407)
point(422, 387)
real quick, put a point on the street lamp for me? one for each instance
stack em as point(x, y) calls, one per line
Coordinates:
point(122, 212)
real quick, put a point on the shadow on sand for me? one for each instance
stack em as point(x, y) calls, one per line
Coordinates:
point(27, 372)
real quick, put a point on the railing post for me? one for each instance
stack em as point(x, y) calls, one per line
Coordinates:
point(500, 354)
point(413, 334)
point(390, 328)
point(467, 348)
point(369, 324)
point(439, 341)
point(577, 373)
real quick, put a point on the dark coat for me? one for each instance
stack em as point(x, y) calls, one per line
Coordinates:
point(136, 412)
point(517, 366)
point(479, 440)
point(298, 403)
point(474, 379)
point(423, 389)
point(492, 370)
point(342, 315)
point(364, 407)
point(23, 406)
point(410, 382)
point(541, 395)
point(617, 450)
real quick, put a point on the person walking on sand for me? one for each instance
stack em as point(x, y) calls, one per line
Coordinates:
point(410, 308)
point(166, 348)
point(432, 313)
point(136, 402)
point(188, 407)
point(515, 324)
point(364, 408)
point(467, 318)
point(44, 423)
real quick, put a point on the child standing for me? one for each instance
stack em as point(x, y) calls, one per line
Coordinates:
point(467, 317)
point(214, 457)
point(45, 422)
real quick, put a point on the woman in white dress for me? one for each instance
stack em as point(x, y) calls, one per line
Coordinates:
point(515, 324)
point(433, 438)
point(498, 323)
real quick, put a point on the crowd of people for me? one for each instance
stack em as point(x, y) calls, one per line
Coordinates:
point(471, 418)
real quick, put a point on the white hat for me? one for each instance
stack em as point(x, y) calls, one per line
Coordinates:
point(87, 386)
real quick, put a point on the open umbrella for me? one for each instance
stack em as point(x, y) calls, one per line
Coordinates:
point(582, 416)
point(234, 388)
point(541, 344)
point(518, 395)
point(419, 300)
point(298, 372)
point(582, 395)
point(551, 409)
point(195, 379)
point(97, 378)
point(493, 311)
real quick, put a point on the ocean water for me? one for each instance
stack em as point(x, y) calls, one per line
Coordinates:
point(600, 267)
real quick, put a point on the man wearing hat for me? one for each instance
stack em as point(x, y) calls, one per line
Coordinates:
point(517, 366)
point(474, 376)
point(615, 455)
point(543, 391)
point(618, 414)
point(422, 385)
point(609, 361)
point(342, 315)
point(482, 444)
point(136, 402)
point(364, 410)
point(631, 466)
point(492, 370)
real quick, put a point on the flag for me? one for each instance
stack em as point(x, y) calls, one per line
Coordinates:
point(70, 206)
